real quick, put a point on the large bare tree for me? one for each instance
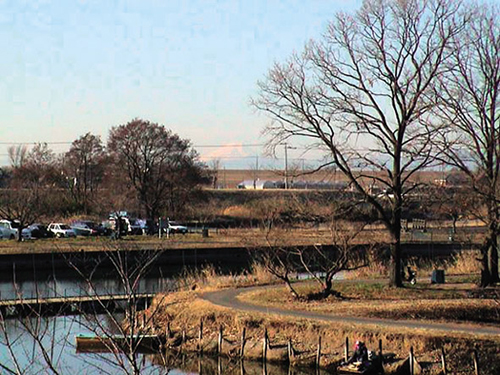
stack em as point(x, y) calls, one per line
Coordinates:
point(162, 167)
point(360, 93)
point(470, 105)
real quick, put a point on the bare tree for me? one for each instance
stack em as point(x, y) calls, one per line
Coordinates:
point(85, 163)
point(360, 93)
point(22, 200)
point(469, 95)
point(22, 206)
point(162, 167)
point(323, 263)
point(126, 340)
point(17, 155)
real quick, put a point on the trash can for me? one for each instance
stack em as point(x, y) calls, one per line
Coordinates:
point(204, 232)
point(437, 277)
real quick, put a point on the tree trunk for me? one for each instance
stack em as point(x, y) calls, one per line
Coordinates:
point(485, 270)
point(493, 257)
point(395, 278)
point(291, 289)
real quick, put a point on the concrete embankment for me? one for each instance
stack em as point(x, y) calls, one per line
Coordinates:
point(166, 262)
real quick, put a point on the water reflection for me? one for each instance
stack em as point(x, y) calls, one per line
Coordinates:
point(225, 366)
point(32, 346)
point(73, 288)
point(47, 345)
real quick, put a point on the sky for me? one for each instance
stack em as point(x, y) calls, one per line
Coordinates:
point(71, 67)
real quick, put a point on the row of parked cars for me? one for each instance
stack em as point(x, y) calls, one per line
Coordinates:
point(128, 226)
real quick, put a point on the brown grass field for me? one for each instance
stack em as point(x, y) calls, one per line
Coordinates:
point(458, 300)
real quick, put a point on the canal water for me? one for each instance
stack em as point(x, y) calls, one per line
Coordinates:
point(32, 346)
point(35, 345)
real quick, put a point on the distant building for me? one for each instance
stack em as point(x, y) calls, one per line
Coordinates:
point(299, 185)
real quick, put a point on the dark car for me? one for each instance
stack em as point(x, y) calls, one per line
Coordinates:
point(40, 231)
point(87, 228)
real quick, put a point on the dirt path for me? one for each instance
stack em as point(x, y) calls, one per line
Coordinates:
point(229, 298)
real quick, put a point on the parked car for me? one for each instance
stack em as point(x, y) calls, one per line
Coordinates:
point(61, 230)
point(87, 228)
point(173, 227)
point(39, 231)
point(134, 226)
point(9, 230)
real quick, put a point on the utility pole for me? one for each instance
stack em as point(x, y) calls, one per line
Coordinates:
point(286, 162)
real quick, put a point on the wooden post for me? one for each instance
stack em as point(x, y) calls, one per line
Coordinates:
point(290, 351)
point(219, 343)
point(346, 349)
point(318, 354)
point(443, 361)
point(412, 372)
point(243, 342)
point(200, 337)
point(264, 346)
point(183, 340)
point(242, 367)
point(476, 361)
point(219, 366)
point(380, 356)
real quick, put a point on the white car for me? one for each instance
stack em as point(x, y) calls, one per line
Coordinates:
point(8, 229)
point(174, 227)
point(61, 230)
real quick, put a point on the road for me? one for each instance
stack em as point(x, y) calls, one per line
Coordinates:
point(229, 298)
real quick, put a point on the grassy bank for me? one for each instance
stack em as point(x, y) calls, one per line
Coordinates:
point(459, 301)
point(184, 311)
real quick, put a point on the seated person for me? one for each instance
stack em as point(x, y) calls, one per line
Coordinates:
point(360, 353)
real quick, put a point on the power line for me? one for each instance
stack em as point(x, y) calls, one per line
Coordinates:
point(34, 143)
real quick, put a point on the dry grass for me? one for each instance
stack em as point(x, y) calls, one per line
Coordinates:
point(464, 263)
point(210, 278)
point(185, 310)
point(457, 302)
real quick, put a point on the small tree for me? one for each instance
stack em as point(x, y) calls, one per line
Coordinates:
point(30, 178)
point(323, 263)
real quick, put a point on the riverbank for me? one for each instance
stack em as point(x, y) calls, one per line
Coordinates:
point(236, 237)
point(184, 311)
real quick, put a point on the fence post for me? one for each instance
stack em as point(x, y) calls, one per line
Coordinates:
point(200, 337)
point(290, 351)
point(346, 349)
point(380, 355)
point(219, 343)
point(411, 362)
point(169, 331)
point(443, 361)
point(264, 346)
point(243, 342)
point(476, 361)
point(318, 354)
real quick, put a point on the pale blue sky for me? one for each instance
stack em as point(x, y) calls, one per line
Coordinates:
point(71, 67)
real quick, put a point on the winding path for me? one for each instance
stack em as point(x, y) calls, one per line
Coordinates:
point(229, 298)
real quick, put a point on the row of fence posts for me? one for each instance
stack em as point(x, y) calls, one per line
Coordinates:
point(291, 351)
point(444, 367)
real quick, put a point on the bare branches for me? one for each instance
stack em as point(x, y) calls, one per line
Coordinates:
point(363, 92)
